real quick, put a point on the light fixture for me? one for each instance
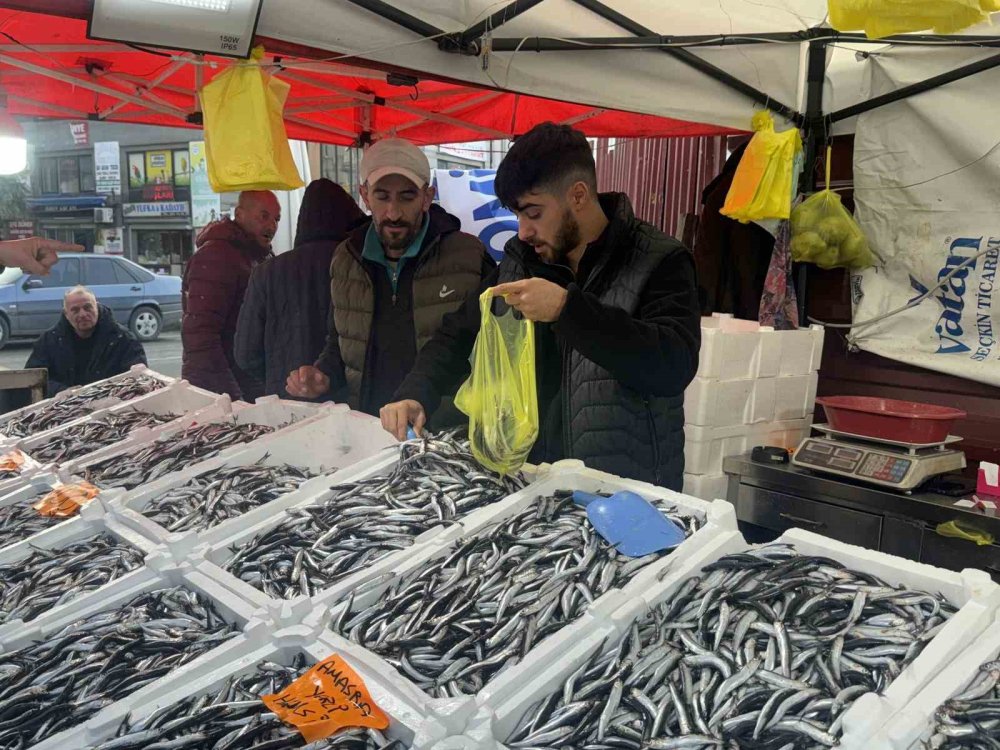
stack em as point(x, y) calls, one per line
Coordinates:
point(218, 27)
point(13, 145)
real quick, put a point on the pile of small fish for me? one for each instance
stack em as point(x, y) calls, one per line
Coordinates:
point(233, 717)
point(91, 437)
point(172, 453)
point(20, 520)
point(48, 578)
point(216, 496)
point(78, 405)
point(766, 650)
point(970, 720)
point(435, 481)
point(454, 623)
point(59, 682)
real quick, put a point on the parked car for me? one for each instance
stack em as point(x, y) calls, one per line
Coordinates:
point(144, 302)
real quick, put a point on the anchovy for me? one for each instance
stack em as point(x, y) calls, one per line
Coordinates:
point(49, 578)
point(970, 719)
point(455, 623)
point(233, 717)
point(54, 413)
point(59, 682)
point(435, 481)
point(172, 453)
point(90, 437)
point(742, 657)
point(20, 520)
point(227, 492)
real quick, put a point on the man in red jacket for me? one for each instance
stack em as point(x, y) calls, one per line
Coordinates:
point(215, 281)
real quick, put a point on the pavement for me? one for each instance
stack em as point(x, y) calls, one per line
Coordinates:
point(164, 354)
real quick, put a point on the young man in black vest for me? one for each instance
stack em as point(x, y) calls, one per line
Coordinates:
point(616, 310)
point(391, 282)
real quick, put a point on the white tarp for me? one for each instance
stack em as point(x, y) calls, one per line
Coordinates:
point(646, 81)
point(927, 181)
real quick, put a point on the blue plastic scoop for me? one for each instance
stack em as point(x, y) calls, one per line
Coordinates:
point(630, 522)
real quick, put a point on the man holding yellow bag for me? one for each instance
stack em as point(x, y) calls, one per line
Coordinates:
point(615, 306)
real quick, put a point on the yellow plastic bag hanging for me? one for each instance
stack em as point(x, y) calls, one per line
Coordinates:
point(762, 186)
point(879, 18)
point(500, 396)
point(245, 141)
point(825, 233)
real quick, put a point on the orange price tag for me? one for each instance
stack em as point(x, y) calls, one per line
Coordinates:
point(67, 500)
point(324, 700)
point(11, 461)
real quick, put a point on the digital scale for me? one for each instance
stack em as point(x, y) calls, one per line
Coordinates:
point(900, 466)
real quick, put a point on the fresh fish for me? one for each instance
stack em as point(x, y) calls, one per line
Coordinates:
point(20, 520)
point(61, 681)
point(48, 578)
point(172, 453)
point(234, 717)
point(453, 624)
point(742, 657)
point(436, 481)
point(91, 437)
point(970, 719)
point(227, 492)
point(54, 413)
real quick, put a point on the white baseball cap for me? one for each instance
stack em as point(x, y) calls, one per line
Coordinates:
point(395, 156)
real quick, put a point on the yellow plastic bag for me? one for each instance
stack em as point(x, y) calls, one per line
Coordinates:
point(879, 18)
point(762, 186)
point(245, 141)
point(500, 396)
point(825, 233)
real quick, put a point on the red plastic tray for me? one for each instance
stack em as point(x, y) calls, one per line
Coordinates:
point(888, 419)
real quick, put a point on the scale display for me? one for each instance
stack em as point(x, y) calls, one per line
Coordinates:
point(895, 466)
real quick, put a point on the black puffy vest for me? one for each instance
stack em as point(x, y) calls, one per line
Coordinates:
point(606, 425)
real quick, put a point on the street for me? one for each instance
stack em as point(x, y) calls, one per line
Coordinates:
point(164, 355)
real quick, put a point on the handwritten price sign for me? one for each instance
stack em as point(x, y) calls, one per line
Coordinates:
point(324, 700)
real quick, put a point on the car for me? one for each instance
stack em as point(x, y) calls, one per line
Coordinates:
point(144, 302)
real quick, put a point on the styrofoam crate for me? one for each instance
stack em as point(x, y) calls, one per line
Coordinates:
point(718, 403)
point(406, 723)
point(190, 405)
point(705, 448)
point(707, 486)
point(232, 610)
point(913, 726)
point(718, 518)
point(339, 439)
point(241, 531)
point(733, 349)
point(97, 404)
point(271, 411)
point(973, 591)
point(28, 471)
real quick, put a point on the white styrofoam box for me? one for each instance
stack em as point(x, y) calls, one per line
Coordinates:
point(97, 404)
point(209, 676)
point(718, 518)
point(270, 411)
point(914, 725)
point(337, 440)
point(733, 349)
point(707, 486)
point(190, 406)
point(718, 403)
point(973, 591)
point(28, 470)
point(705, 448)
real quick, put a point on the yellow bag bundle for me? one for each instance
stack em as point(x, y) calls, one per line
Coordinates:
point(825, 233)
point(762, 186)
point(879, 18)
point(500, 396)
point(245, 141)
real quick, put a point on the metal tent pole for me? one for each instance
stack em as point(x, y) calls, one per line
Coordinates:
point(502, 16)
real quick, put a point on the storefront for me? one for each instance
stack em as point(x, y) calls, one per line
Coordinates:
point(69, 218)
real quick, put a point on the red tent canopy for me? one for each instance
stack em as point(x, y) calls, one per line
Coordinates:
point(48, 68)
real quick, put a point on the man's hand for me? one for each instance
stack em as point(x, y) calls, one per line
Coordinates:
point(307, 382)
point(35, 255)
point(397, 417)
point(536, 299)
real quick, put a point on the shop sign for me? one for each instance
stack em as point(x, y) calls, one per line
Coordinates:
point(108, 167)
point(206, 204)
point(154, 210)
point(80, 132)
point(19, 229)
